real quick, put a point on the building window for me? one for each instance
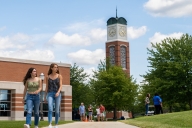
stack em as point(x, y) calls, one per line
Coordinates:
point(5, 103)
point(112, 55)
point(123, 57)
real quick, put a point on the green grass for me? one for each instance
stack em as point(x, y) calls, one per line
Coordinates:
point(19, 124)
point(170, 120)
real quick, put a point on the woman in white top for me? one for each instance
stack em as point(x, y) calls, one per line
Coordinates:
point(98, 113)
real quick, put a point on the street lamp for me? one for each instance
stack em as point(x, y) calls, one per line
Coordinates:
point(42, 76)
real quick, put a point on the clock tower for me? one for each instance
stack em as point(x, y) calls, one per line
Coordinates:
point(117, 46)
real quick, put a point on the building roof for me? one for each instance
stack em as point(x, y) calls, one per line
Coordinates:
point(116, 20)
point(32, 61)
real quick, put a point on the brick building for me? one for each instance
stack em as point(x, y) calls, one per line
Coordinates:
point(12, 72)
point(117, 45)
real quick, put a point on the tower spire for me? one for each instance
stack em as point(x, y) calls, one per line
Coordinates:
point(116, 12)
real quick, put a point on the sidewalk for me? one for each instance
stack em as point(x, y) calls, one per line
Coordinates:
point(95, 125)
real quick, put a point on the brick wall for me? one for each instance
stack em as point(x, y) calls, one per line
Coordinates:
point(15, 71)
point(117, 45)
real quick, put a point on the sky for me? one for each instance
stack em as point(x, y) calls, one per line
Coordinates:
point(75, 31)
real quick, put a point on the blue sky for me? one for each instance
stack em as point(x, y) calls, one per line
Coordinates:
point(75, 31)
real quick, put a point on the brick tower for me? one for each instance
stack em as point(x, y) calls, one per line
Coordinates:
point(117, 46)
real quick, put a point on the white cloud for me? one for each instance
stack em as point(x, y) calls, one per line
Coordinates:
point(18, 41)
point(136, 32)
point(98, 34)
point(19, 46)
point(95, 33)
point(81, 34)
point(75, 39)
point(22, 41)
point(92, 36)
point(169, 8)
point(42, 55)
point(19, 37)
point(86, 57)
point(158, 37)
point(2, 28)
point(89, 71)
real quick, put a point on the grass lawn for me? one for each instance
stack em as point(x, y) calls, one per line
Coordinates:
point(170, 120)
point(19, 124)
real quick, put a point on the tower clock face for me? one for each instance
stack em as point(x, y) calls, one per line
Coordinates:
point(122, 31)
point(112, 32)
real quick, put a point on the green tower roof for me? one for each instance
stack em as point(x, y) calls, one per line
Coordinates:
point(116, 20)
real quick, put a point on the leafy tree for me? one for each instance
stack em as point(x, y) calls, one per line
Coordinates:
point(81, 91)
point(170, 71)
point(139, 106)
point(113, 88)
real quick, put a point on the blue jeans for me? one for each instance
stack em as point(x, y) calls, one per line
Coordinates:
point(51, 98)
point(33, 100)
point(146, 108)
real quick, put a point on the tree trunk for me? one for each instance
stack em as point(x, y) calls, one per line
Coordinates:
point(115, 113)
point(170, 109)
point(190, 104)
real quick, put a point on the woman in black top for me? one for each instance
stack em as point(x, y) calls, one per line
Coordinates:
point(90, 110)
point(52, 91)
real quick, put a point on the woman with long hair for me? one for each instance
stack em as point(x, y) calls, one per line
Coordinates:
point(147, 101)
point(33, 86)
point(90, 110)
point(52, 92)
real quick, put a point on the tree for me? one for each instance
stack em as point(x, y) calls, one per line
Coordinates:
point(81, 91)
point(170, 71)
point(140, 102)
point(113, 88)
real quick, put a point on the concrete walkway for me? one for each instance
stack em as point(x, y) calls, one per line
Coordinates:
point(96, 125)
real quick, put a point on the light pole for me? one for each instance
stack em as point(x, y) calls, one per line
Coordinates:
point(42, 76)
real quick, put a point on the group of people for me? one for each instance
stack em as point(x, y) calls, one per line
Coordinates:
point(157, 101)
point(32, 89)
point(100, 110)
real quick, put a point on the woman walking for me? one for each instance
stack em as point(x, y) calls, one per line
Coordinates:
point(52, 92)
point(33, 86)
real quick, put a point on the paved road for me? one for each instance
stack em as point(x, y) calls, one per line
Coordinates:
point(96, 125)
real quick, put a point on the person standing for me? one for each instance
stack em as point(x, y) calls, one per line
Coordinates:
point(90, 110)
point(157, 102)
point(147, 101)
point(32, 88)
point(82, 111)
point(98, 113)
point(102, 111)
point(52, 92)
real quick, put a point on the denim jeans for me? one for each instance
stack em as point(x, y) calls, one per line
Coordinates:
point(33, 100)
point(146, 108)
point(51, 98)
